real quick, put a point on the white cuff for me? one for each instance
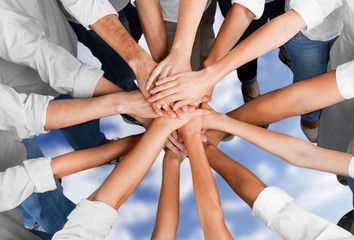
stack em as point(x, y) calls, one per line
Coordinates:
point(255, 6)
point(310, 12)
point(269, 202)
point(87, 12)
point(345, 80)
point(41, 174)
point(86, 81)
point(351, 168)
point(36, 114)
point(95, 216)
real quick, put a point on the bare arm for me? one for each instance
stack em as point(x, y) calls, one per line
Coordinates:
point(287, 102)
point(76, 161)
point(235, 24)
point(293, 150)
point(70, 112)
point(209, 208)
point(129, 173)
point(152, 23)
point(184, 88)
point(245, 184)
point(189, 16)
point(110, 29)
point(168, 209)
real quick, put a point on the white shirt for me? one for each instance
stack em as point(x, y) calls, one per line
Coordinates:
point(255, 6)
point(342, 53)
point(36, 53)
point(22, 116)
point(170, 9)
point(329, 28)
point(288, 221)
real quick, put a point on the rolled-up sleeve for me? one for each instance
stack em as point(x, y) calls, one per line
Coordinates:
point(287, 220)
point(17, 183)
point(255, 6)
point(313, 12)
point(26, 43)
point(24, 115)
point(87, 12)
point(345, 79)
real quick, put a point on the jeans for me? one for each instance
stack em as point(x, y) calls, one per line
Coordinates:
point(48, 209)
point(309, 58)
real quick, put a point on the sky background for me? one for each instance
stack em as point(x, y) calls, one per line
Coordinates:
point(316, 191)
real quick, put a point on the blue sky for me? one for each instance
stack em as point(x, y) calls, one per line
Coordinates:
point(316, 191)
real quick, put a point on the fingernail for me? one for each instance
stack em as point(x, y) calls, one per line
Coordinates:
point(165, 106)
point(181, 116)
point(159, 107)
point(184, 108)
point(173, 115)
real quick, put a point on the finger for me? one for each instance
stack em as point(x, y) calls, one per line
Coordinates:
point(205, 99)
point(182, 103)
point(166, 100)
point(162, 87)
point(172, 147)
point(164, 72)
point(153, 76)
point(161, 95)
point(169, 111)
point(175, 134)
point(179, 113)
point(177, 144)
point(165, 80)
point(158, 111)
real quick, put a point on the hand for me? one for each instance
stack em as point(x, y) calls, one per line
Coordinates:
point(174, 63)
point(181, 89)
point(175, 123)
point(175, 145)
point(137, 105)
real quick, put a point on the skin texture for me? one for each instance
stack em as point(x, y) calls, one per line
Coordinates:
point(292, 150)
point(210, 213)
point(186, 87)
point(167, 217)
point(63, 113)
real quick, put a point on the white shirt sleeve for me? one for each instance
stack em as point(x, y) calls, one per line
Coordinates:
point(24, 115)
point(17, 183)
point(314, 12)
point(26, 43)
point(90, 220)
point(255, 6)
point(288, 221)
point(87, 12)
point(345, 79)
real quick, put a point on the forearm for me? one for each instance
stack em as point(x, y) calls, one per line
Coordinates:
point(189, 16)
point(235, 24)
point(295, 151)
point(270, 36)
point(287, 102)
point(64, 113)
point(152, 23)
point(111, 30)
point(129, 173)
point(88, 158)
point(208, 203)
point(245, 184)
point(168, 209)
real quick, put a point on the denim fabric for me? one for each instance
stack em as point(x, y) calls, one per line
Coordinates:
point(42, 235)
point(51, 209)
point(48, 209)
point(309, 58)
